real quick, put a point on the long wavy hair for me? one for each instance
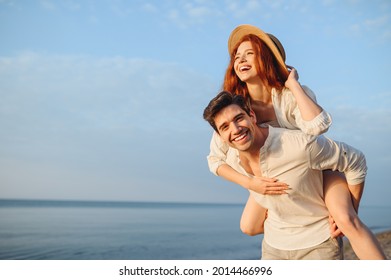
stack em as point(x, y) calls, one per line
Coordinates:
point(272, 73)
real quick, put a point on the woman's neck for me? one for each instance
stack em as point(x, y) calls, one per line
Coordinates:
point(259, 92)
point(261, 102)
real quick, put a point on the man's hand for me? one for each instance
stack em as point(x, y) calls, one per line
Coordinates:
point(334, 230)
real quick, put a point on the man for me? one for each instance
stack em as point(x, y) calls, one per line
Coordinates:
point(297, 223)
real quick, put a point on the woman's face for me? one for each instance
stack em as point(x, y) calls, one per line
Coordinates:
point(244, 64)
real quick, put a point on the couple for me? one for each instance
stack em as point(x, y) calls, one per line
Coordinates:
point(283, 168)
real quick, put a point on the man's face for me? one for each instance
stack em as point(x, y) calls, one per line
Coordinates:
point(235, 127)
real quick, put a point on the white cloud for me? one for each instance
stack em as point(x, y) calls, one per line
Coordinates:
point(240, 9)
point(378, 22)
point(191, 14)
point(148, 7)
point(48, 5)
point(72, 5)
point(379, 25)
point(197, 12)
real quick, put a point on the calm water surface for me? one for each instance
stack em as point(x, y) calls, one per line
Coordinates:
point(115, 230)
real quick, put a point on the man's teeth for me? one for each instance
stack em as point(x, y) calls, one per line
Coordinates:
point(240, 137)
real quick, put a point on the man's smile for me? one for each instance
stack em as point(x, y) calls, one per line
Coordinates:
point(241, 137)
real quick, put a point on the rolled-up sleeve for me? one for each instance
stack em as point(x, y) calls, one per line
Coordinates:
point(318, 125)
point(289, 115)
point(218, 153)
point(325, 153)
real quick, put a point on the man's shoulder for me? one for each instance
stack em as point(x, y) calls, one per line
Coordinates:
point(281, 131)
point(291, 137)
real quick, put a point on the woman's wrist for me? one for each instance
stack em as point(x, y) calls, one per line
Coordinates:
point(295, 87)
point(246, 182)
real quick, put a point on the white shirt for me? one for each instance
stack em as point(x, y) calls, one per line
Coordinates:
point(299, 219)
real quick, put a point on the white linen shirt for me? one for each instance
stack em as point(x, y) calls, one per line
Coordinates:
point(299, 219)
point(288, 116)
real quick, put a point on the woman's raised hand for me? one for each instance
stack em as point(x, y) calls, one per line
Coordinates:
point(292, 78)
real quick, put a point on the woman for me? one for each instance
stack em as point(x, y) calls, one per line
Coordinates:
point(257, 70)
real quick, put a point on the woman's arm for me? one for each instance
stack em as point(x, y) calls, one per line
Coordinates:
point(308, 107)
point(296, 108)
point(260, 185)
point(253, 218)
point(218, 153)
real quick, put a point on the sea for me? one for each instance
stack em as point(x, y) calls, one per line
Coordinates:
point(102, 230)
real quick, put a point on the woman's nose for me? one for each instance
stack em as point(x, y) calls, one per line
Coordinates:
point(242, 58)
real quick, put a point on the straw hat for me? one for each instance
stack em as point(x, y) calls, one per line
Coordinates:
point(272, 42)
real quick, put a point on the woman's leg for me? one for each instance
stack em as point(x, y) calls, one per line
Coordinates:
point(339, 204)
point(253, 217)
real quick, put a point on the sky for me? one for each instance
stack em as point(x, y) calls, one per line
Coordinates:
point(103, 100)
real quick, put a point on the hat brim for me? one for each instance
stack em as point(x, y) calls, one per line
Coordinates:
point(246, 29)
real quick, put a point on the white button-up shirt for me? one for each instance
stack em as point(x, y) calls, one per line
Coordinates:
point(299, 219)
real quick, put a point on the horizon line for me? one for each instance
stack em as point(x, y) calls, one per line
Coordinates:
point(48, 201)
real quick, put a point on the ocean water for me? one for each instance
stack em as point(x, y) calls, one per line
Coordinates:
point(70, 230)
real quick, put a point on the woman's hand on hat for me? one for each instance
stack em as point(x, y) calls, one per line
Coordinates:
point(293, 77)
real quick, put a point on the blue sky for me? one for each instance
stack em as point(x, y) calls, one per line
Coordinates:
point(103, 100)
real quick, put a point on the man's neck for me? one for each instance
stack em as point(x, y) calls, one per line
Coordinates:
point(250, 158)
point(261, 134)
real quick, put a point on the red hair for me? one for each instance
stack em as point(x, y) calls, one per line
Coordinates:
point(272, 73)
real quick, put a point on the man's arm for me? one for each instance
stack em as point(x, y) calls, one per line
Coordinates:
point(328, 154)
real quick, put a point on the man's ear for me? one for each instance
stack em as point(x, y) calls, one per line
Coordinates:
point(253, 116)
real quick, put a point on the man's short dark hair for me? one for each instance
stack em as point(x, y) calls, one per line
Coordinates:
point(222, 100)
